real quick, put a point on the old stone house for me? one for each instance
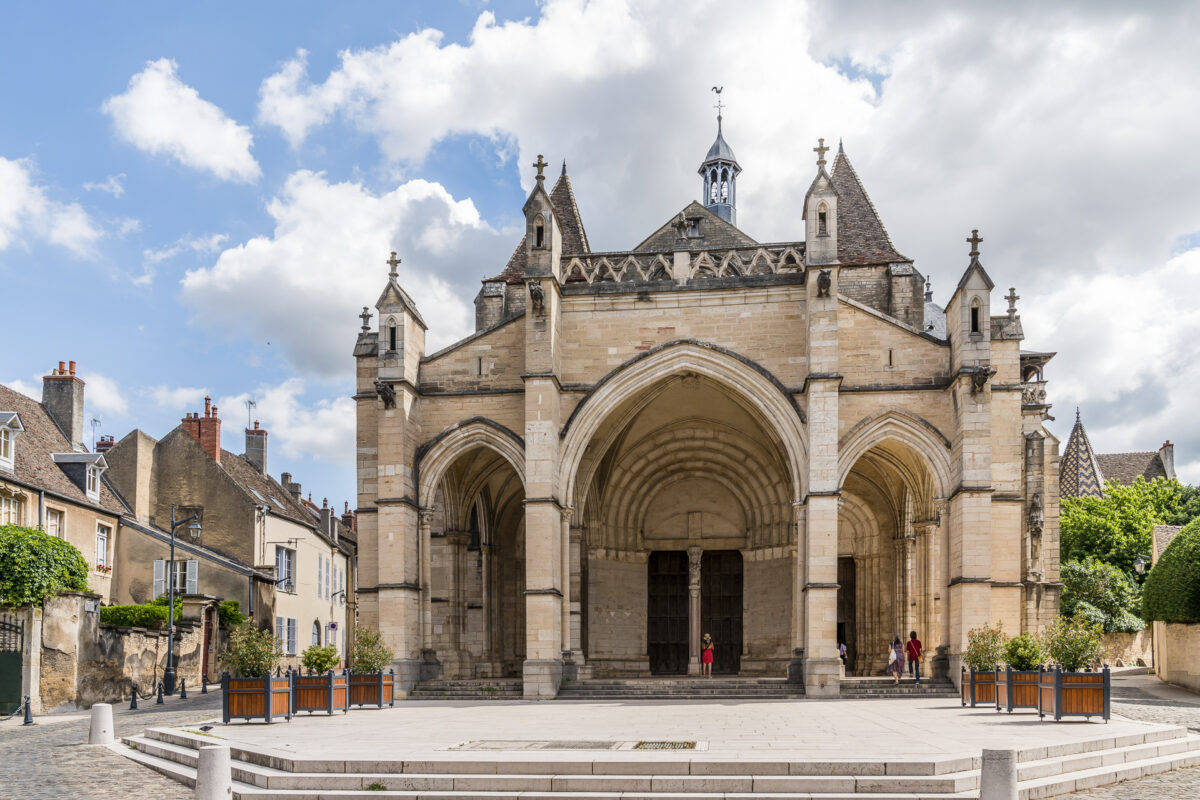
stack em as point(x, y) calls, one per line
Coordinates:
point(291, 566)
point(1084, 471)
point(782, 444)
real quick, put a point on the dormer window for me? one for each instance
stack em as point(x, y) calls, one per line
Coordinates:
point(93, 484)
point(10, 426)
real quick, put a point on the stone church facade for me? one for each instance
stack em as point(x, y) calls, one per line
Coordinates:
point(785, 445)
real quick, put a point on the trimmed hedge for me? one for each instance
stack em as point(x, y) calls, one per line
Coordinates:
point(149, 615)
point(35, 565)
point(1172, 591)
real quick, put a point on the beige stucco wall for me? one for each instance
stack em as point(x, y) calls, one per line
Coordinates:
point(1177, 647)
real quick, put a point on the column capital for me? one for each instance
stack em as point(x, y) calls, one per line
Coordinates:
point(425, 515)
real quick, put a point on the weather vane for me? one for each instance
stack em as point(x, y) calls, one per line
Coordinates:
point(717, 90)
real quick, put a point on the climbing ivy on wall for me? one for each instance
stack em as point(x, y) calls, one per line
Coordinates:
point(35, 565)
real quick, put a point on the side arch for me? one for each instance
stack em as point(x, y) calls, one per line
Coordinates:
point(905, 427)
point(764, 395)
point(435, 456)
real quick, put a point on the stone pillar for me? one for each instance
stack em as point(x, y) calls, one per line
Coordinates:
point(485, 600)
point(456, 546)
point(695, 559)
point(795, 672)
point(543, 598)
point(429, 664)
point(575, 577)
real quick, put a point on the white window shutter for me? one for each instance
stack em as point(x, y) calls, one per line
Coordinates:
point(291, 636)
point(193, 576)
point(319, 559)
point(279, 631)
point(327, 592)
point(160, 577)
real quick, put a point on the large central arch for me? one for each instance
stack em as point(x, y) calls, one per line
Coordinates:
point(761, 391)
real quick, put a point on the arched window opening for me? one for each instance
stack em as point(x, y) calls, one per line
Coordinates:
point(473, 542)
point(713, 185)
point(975, 317)
point(724, 186)
point(822, 220)
point(316, 633)
point(392, 337)
point(539, 233)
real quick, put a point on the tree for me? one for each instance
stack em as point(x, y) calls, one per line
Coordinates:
point(1173, 586)
point(1117, 527)
point(1101, 594)
point(1189, 506)
point(35, 565)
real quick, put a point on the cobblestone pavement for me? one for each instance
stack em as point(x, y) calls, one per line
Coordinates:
point(47, 760)
point(1147, 699)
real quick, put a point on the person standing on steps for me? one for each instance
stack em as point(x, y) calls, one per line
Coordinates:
point(895, 666)
point(706, 656)
point(912, 649)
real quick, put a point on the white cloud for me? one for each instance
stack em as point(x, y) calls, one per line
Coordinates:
point(128, 225)
point(200, 245)
point(113, 184)
point(161, 115)
point(176, 399)
point(303, 286)
point(322, 429)
point(27, 388)
point(104, 395)
point(26, 211)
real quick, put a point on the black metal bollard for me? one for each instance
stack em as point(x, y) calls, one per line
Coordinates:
point(28, 712)
point(204, 683)
point(133, 696)
point(159, 701)
point(183, 689)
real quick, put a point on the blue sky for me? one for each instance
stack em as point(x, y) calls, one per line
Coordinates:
point(199, 199)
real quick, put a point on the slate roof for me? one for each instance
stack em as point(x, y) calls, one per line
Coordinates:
point(33, 464)
point(862, 239)
point(1079, 473)
point(1126, 468)
point(720, 150)
point(714, 232)
point(935, 319)
point(570, 225)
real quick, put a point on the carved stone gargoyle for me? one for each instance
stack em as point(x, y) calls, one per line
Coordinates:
point(537, 298)
point(386, 393)
point(979, 378)
point(824, 283)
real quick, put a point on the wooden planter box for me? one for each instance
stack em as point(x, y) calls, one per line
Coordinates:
point(320, 693)
point(978, 687)
point(1016, 689)
point(1074, 694)
point(267, 698)
point(372, 689)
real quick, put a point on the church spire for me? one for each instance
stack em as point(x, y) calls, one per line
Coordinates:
point(719, 172)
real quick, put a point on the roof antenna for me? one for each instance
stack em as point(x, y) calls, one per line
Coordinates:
point(249, 405)
point(96, 423)
point(719, 105)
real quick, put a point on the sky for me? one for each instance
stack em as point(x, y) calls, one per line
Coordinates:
point(199, 201)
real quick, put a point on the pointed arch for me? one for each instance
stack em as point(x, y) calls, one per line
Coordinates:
point(762, 392)
point(435, 456)
point(907, 428)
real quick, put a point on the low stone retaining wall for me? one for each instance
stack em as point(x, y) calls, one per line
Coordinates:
point(1129, 649)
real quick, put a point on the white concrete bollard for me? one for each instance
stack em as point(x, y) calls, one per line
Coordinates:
point(998, 775)
point(101, 731)
point(214, 776)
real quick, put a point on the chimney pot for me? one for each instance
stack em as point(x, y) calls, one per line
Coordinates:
point(207, 406)
point(72, 367)
point(62, 395)
point(62, 367)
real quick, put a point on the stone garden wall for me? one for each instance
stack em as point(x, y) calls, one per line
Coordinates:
point(1129, 649)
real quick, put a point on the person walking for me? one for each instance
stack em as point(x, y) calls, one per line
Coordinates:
point(895, 665)
point(912, 649)
point(706, 656)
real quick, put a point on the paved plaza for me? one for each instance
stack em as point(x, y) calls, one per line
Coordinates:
point(49, 761)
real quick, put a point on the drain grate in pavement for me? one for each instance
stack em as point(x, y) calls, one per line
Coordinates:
point(665, 746)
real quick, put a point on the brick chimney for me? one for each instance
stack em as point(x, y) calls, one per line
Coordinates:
point(206, 430)
point(327, 519)
point(1167, 454)
point(292, 488)
point(62, 395)
point(256, 447)
point(105, 444)
point(349, 520)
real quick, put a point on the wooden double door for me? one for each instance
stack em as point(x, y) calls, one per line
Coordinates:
point(668, 615)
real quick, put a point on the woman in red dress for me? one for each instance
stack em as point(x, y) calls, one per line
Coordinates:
point(706, 656)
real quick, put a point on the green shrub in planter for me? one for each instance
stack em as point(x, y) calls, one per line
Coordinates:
point(1074, 643)
point(230, 614)
point(369, 653)
point(317, 659)
point(1172, 591)
point(252, 653)
point(985, 648)
point(1024, 653)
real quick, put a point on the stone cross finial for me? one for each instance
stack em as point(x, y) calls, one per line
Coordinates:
point(820, 150)
point(365, 316)
point(392, 263)
point(1012, 299)
point(974, 239)
point(541, 166)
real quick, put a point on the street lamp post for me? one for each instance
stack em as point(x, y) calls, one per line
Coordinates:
point(193, 523)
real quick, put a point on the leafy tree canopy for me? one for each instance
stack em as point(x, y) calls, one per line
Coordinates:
point(1173, 586)
point(1102, 594)
point(35, 565)
point(1117, 527)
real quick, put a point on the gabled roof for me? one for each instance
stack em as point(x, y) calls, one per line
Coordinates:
point(862, 239)
point(34, 463)
point(570, 226)
point(394, 294)
point(1126, 468)
point(714, 232)
point(1079, 473)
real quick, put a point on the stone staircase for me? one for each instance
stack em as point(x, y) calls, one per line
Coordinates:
point(866, 688)
point(1045, 771)
point(482, 689)
point(716, 688)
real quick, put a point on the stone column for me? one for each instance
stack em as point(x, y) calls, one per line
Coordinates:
point(799, 571)
point(695, 559)
point(542, 672)
point(428, 670)
point(575, 627)
point(486, 600)
point(456, 546)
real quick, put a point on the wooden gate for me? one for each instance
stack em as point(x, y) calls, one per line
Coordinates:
point(667, 612)
point(12, 642)
point(721, 607)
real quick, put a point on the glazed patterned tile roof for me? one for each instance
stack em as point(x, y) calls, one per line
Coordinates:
point(1126, 468)
point(862, 239)
point(33, 464)
point(1079, 472)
